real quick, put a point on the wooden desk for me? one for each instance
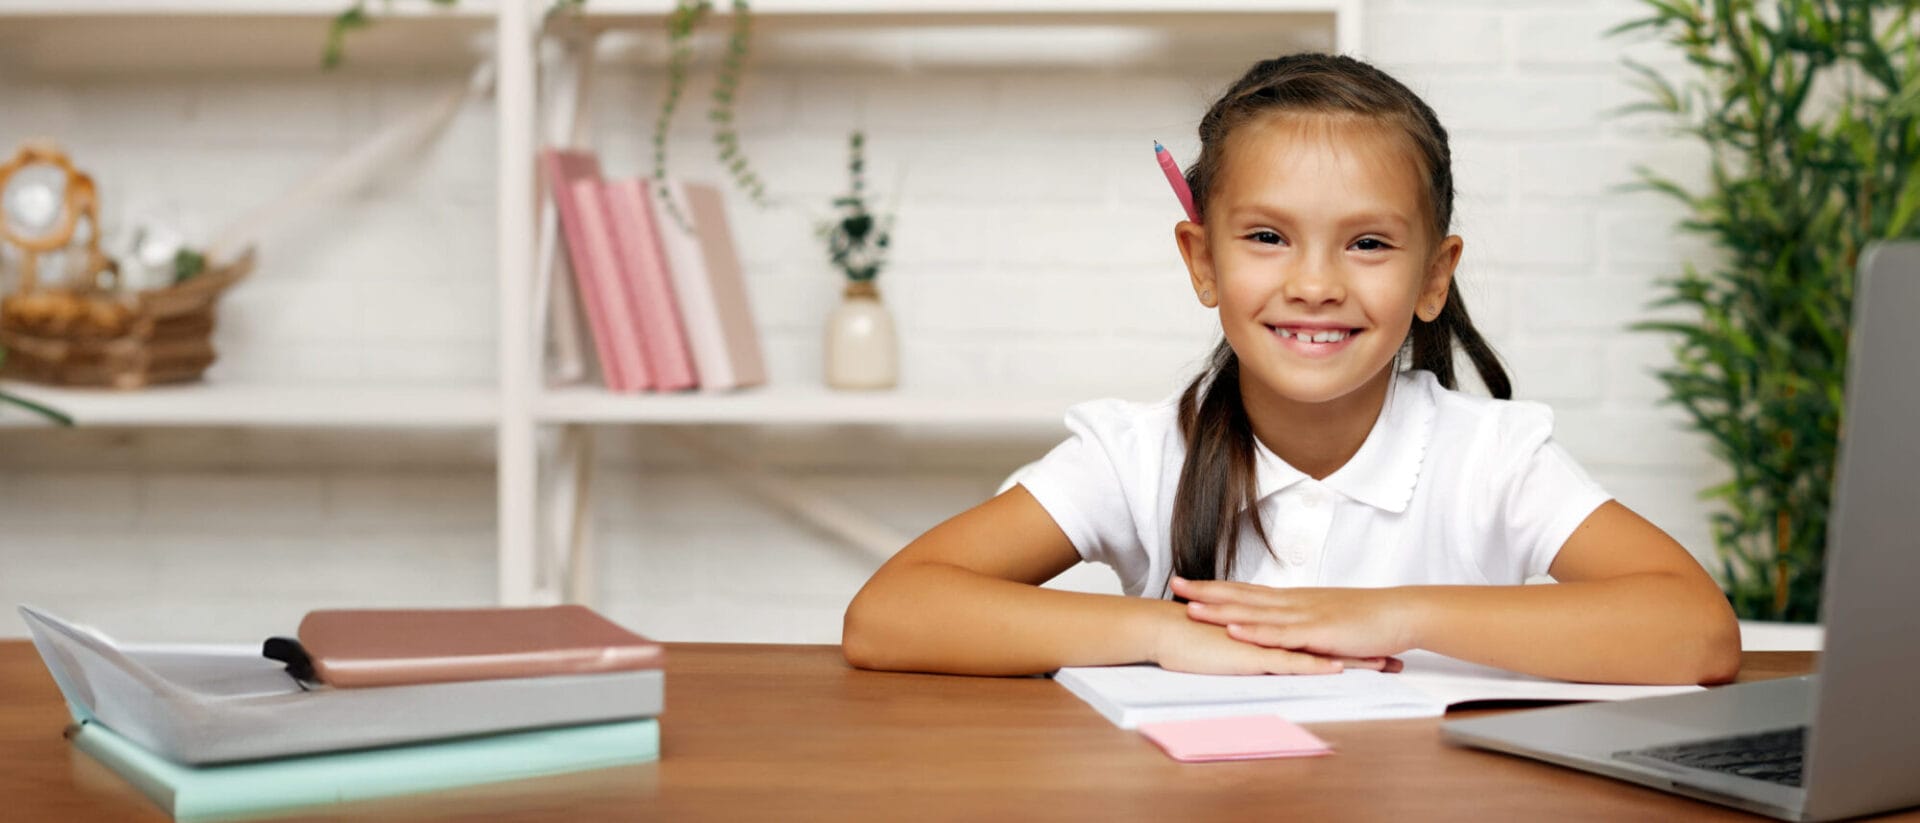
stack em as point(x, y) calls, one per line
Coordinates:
point(790, 732)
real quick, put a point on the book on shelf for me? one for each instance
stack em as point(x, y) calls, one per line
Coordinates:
point(616, 293)
point(601, 292)
point(712, 291)
point(636, 235)
point(561, 325)
point(1428, 685)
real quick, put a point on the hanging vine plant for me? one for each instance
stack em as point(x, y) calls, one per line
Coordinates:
point(686, 18)
point(682, 23)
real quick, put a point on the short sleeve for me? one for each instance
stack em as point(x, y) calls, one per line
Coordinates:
point(1541, 494)
point(1082, 484)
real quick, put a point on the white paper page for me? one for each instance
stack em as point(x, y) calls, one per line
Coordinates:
point(1149, 686)
point(215, 671)
point(1454, 681)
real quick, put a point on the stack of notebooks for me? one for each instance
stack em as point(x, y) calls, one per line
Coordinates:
point(367, 704)
point(665, 304)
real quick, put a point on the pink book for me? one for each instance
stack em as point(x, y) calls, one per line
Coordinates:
point(615, 287)
point(713, 293)
point(562, 169)
point(637, 239)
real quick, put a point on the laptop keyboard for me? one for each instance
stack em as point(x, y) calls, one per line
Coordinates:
point(1770, 756)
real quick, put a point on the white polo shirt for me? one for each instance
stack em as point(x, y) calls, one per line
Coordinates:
point(1449, 488)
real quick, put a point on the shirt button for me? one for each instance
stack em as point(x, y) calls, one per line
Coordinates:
point(1297, 558)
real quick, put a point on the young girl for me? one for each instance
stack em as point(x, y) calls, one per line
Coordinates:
point(1307, 503)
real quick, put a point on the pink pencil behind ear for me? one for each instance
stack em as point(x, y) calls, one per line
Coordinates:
point(1178, 180)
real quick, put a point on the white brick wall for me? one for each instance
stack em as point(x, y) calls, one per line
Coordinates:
point(1033, 249)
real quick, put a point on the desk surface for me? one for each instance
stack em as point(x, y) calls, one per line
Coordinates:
point(758, 732)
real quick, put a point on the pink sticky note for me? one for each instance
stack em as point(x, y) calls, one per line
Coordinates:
point(1234, 738)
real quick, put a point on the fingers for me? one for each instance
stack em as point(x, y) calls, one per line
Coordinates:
point(1221, 614)
point(1282, 661)
point(1273, 636)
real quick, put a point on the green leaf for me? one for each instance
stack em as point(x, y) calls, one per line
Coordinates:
point(52, 414)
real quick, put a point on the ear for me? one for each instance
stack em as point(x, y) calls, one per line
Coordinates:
point(1192, 239)
point(1439, 278)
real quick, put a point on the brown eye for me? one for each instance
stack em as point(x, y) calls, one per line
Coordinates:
point(1371, 244)
point(1267, 237)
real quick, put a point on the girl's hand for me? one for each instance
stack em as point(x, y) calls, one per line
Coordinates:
point(1334, 622)
point(1184, 645)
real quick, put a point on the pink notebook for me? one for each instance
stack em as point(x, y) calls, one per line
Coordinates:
point(620, 361)
point(1234, 738)
point(637, 239)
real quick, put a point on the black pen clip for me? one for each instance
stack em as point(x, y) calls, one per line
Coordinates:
point(289, 651)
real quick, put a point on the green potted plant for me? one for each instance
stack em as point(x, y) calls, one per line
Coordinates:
point(1808, 109)
point(861, 349)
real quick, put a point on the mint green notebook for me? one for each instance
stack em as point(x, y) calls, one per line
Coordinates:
point(265, 787)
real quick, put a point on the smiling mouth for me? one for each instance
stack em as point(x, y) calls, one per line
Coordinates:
point(1315, 335)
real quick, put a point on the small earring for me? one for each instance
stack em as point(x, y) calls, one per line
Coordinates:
point(1206, 295)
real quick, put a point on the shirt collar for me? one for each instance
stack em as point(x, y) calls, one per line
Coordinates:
point(1383, 472)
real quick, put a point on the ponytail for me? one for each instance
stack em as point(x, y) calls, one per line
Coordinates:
point(1217, 478)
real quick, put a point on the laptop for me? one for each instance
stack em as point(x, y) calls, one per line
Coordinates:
point(1846, 740)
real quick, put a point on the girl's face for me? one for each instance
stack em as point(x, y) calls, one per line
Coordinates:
point(1318, 251)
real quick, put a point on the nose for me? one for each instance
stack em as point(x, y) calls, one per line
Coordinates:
point(1313, 281)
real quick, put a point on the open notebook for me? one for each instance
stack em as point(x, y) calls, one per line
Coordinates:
point(1132, 695)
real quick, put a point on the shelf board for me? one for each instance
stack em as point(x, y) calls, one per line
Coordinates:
point(104, 36)
point(805, 406)
point(909, 9)
point(118, 36)
point(240, 404)
point(322, 9)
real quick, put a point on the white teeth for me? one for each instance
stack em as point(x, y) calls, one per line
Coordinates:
point(1328, 336)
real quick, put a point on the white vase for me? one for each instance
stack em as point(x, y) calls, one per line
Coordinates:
point(862, 352)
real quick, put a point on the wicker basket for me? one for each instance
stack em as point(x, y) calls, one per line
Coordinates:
point(96, 338)
point(92, 334)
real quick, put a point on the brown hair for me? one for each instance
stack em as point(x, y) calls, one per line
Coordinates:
point(1218, 477)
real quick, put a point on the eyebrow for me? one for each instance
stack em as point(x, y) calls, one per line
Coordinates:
point(1359, 218)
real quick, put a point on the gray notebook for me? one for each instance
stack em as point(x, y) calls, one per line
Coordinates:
point(215, 704)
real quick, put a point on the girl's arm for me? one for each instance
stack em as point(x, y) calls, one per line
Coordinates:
point(964, 598)
point(1630, 606)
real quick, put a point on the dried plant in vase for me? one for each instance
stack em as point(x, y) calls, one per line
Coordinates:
point(861, 349)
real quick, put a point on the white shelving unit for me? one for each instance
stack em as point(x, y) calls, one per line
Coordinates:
point(540, 492)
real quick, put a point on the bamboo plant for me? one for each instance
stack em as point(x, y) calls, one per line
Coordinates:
point(1808, 110)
